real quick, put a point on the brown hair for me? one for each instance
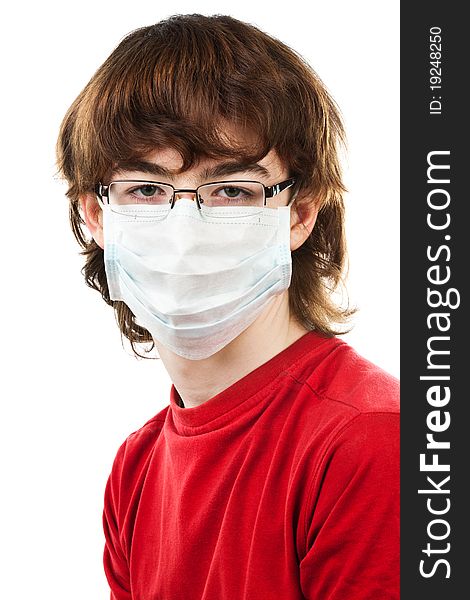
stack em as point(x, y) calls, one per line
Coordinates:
point(173, 85)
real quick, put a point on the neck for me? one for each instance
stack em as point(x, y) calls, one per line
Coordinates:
point(199, 380)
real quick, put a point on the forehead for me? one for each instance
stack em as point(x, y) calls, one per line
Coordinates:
point(171, 161)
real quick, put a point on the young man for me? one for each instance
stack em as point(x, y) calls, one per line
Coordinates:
point(202, 157)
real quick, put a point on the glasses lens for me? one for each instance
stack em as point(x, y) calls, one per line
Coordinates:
point(232, 193)
point(139, 193)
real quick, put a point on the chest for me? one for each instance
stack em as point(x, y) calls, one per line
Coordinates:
point(217, 524)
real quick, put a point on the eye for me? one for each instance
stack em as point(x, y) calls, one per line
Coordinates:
point(147, 190)
point(233, 192)
point(150, 192)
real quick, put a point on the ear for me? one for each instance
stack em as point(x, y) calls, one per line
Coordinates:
point(93, 216)
point(303, 216)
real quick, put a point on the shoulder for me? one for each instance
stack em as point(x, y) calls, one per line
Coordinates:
point(345, 404)
point(361, 400)
point(339, 374)
point(148, 432)
point(133, 453)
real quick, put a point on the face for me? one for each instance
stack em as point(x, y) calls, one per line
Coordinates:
point(163, 166)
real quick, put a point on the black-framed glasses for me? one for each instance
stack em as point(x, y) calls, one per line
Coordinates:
point(241, 193)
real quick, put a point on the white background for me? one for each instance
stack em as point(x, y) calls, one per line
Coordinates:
point(70, 393)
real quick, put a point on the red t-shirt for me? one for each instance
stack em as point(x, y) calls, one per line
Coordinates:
point(283, 486)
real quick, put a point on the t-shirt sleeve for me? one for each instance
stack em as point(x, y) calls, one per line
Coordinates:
point(352, 523)
point(114, 558)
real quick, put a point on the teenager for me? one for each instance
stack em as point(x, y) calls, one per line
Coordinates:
point(202, 157)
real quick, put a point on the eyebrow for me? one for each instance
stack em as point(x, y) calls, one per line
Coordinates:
point(219, 170)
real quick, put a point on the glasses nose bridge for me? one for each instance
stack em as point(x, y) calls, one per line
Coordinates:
point(182, 193)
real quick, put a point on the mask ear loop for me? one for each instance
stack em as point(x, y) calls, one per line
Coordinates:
point(294, 196)
point(291, 200)
point(99, 195)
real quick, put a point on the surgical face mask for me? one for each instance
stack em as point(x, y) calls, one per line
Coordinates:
point(196, 279)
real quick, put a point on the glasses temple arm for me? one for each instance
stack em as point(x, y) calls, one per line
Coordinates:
point(274, 190)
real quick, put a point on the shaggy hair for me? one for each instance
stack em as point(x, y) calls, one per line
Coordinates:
point(174, 85)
